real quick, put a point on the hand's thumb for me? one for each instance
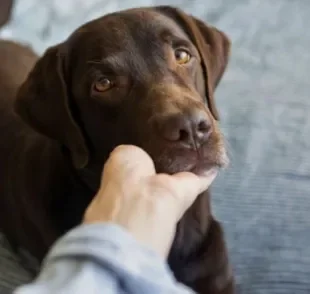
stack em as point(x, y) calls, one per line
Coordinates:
point(189, 186)
point(129, 161)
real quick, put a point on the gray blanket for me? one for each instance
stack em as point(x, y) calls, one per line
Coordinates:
point(263, 199)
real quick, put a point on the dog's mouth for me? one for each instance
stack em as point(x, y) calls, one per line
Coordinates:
point(201, 169)
point(202, 166)
point(198, 163)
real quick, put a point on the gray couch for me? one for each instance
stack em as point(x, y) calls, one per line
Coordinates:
point(263, 199)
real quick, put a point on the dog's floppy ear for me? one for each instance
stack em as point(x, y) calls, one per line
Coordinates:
point(212, 44)
point(43, 103)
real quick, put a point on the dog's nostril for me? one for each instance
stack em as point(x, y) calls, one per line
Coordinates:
point(203, 126)
point(183, 135)
point(191, 129)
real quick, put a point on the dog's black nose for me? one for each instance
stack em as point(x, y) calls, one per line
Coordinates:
point(190, 129)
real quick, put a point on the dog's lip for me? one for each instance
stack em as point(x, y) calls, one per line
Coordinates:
point(203, 169)
point(197, 163)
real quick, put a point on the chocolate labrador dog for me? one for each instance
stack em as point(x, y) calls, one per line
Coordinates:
point(143, 76)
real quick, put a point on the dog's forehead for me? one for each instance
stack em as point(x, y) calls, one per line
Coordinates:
point(127, 29)
point(147, 22)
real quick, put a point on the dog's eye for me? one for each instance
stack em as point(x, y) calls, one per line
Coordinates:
point(182, 56)
point(103, 84)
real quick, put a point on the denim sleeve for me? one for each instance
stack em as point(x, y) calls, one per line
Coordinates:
point(105, 259)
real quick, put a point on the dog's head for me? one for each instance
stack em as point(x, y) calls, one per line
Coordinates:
point(142, 76)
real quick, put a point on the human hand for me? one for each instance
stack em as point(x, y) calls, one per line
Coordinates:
point(147, 204)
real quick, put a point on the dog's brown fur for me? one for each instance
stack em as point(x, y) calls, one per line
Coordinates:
point(5, 11)
point(53, 151)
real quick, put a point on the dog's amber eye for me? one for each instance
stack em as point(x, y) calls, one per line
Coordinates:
point(182, 56)
point(102, 84)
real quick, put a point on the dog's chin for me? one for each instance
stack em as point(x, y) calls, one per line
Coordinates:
point(196, 164)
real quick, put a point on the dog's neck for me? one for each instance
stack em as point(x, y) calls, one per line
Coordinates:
point(68, 210)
